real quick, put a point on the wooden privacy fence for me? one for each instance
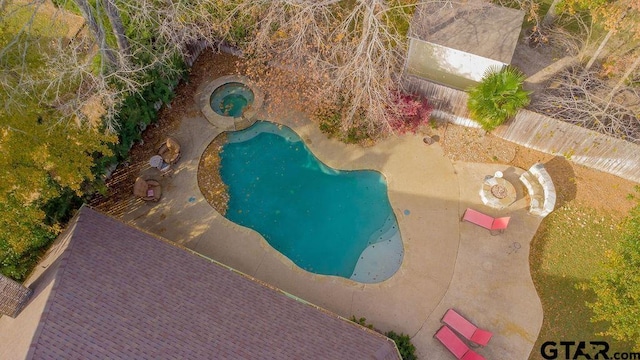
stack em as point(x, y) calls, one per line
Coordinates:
point(540, 132)
point(580, 145)
point(447, 103)
point(193, 50)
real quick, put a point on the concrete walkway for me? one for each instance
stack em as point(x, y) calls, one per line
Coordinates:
point(446, 263)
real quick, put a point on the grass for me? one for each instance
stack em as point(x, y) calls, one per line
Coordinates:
point(25, 35)
point(40, 24)
point(567, 250)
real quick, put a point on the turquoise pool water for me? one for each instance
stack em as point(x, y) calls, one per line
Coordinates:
point(326, 221)
point(231, 99)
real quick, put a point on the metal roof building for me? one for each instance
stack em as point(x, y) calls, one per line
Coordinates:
point(453, 44)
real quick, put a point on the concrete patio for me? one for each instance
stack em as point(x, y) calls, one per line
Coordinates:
point(447, 263)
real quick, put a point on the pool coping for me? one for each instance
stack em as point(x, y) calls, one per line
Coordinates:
point(367, 269)
point(447, 263)
point(230, 123)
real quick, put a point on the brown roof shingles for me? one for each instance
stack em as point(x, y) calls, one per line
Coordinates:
point(122, 293)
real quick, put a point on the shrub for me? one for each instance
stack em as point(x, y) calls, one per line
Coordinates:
point(329, 118)
point(497, 97)
point(403, 342)
point(409, 112)
point(362, 322)
point(139, 110)
point(617, 286)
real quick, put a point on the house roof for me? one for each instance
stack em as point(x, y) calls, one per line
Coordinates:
point(473, 26)
point(109, 290)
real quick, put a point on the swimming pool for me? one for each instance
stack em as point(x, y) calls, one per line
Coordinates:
point(326, 221)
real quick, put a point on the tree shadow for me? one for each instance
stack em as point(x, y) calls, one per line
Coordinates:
point(566, 315)
point(564, 179)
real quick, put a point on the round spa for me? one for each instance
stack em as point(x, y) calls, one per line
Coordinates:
point(230, 102)
point(231, 99)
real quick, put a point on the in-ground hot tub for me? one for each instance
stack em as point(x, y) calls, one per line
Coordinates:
point(231, 99)
point(230, 102)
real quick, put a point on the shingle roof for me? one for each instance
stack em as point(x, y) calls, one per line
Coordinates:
point(122, 293)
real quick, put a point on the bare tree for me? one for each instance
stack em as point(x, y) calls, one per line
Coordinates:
point(612, 30)
point(584, 98)
point(630, 70)
point(352, 48)
point(113, 13)
point(551, 14)
point(97, 28)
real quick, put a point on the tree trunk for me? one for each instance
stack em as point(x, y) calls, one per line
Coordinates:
point(625, 76)
point(98, 31)
point(113, 13)
point(595, 55)
point(551, 14)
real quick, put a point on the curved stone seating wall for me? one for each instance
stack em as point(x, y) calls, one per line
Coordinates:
point(541, 190)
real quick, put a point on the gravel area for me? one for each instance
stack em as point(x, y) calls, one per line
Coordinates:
point(574, 183)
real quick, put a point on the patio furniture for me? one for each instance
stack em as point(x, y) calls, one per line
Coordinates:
point(486, 221)
point(456, 346)
point(170, 151)
point(147, 190)
point(157, 162)
point(465, 328)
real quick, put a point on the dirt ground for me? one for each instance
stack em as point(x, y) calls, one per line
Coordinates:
point(574, 183)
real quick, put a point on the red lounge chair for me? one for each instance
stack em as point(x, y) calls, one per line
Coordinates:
point(457, 347)
point(486, 221)
point(465, 328)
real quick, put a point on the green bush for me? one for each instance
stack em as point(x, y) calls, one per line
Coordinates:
point(330, 122)
point(139, 110)
point(497, 97)
point(403, 342)
point(617, 286)
point(136, 112)
point(17, 261)
point(362, 322)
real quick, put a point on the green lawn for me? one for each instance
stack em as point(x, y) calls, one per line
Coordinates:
point(26, 35)
point(566, 251)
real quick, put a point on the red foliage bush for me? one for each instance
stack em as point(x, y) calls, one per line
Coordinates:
point(409, 112)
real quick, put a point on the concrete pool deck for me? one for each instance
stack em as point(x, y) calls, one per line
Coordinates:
point(447, 263)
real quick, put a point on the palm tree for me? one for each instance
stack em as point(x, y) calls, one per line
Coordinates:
point(497, 97)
